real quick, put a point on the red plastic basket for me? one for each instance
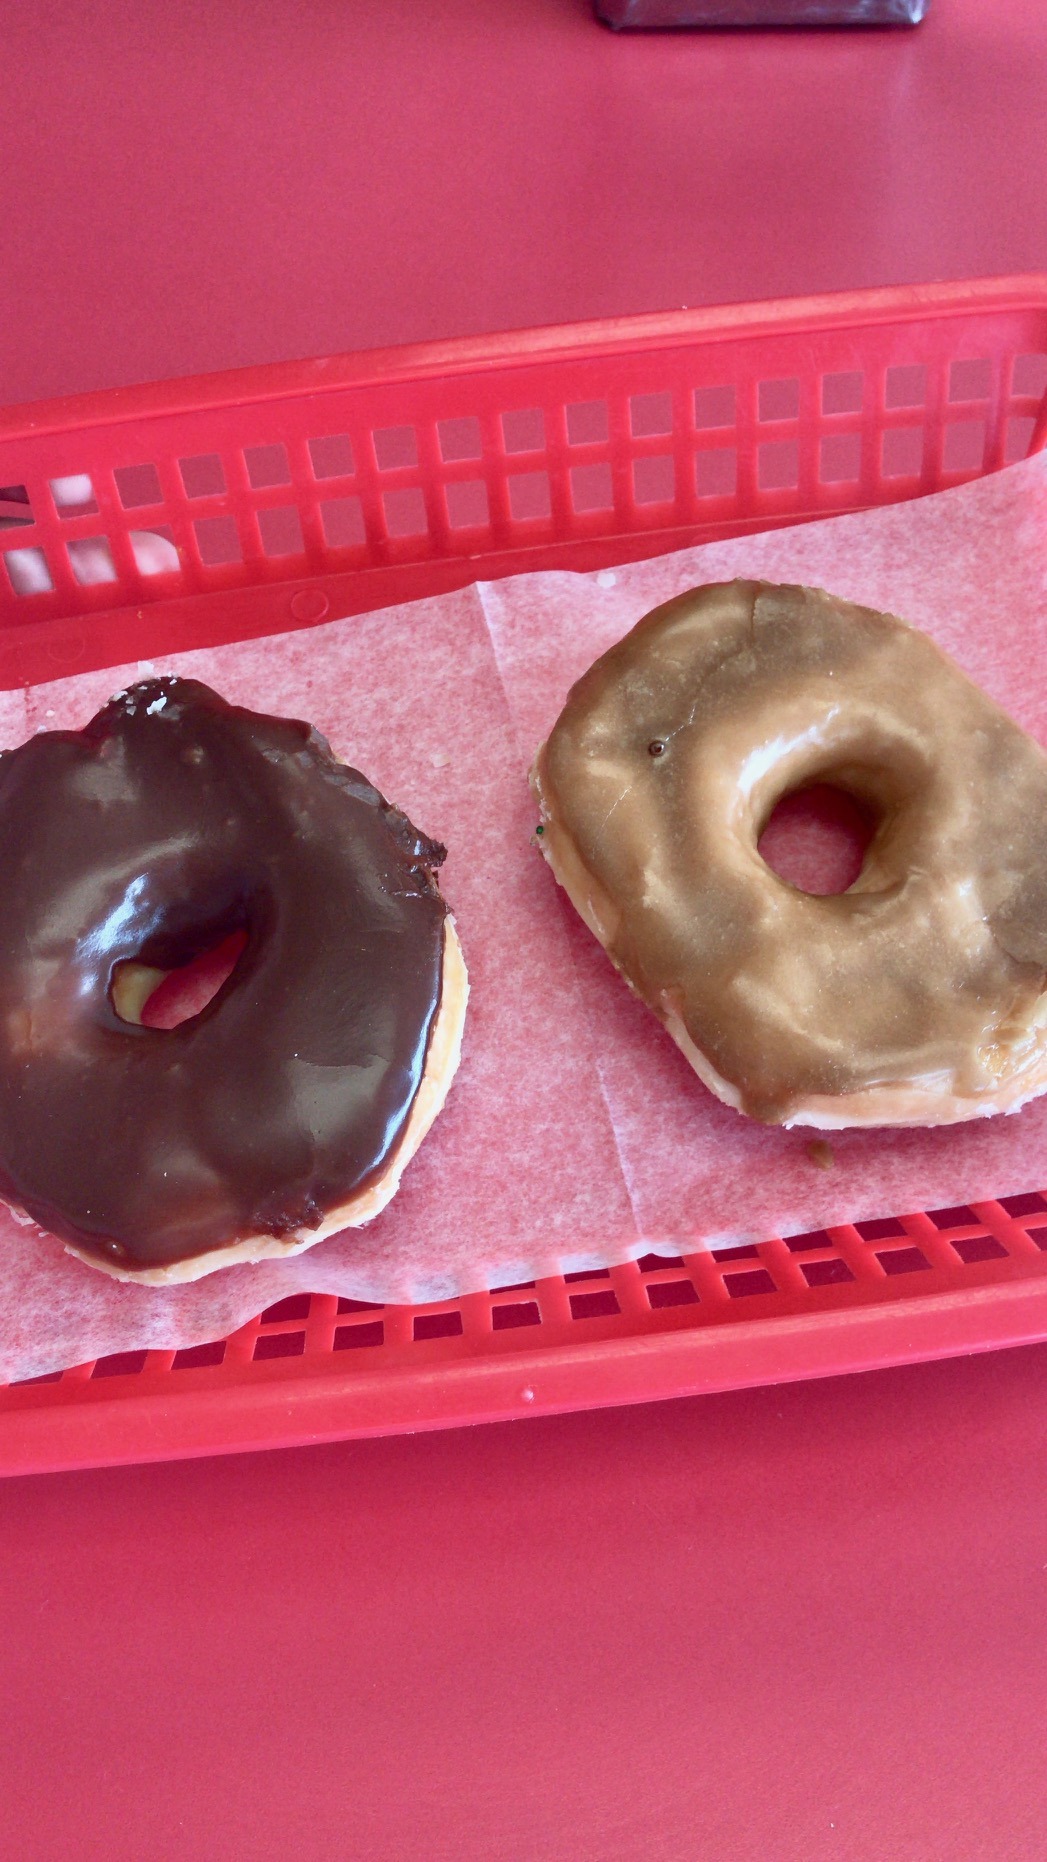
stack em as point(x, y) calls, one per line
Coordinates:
point(340, 485)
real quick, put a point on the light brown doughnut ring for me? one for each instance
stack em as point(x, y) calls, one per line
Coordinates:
point(915, 997)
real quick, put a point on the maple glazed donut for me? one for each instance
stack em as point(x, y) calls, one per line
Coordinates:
point(288, 1107)
point(916, 996)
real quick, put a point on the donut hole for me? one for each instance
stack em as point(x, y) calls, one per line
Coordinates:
point(165, 999)
point(817, 838)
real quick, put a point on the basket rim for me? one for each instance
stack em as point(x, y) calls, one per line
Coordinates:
point(463, 355)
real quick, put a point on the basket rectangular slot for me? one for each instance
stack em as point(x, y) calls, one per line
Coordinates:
point(15, 505)
point(331, 456)
point(779, 400)
point(199, 1357)
point(280, 529)
point(437, 1325)
point(361, 1337)
point(202, 475)
point(343, 522)
point(467, 504)
point(91, 561)
point(27, 571)
point(806, 1244)
point(405, 514)
point(970, 380)
point(716, 472)
point(523, 430)
point(964, 446)
point(779, 465)
point(843, 392)
point(883, 1229)
point(1019, 432)
point(974, 1248)
point(120, 1364)
point(395, 448)
point(839, 458)
point(137, 486)
point(664, 1293)
point(74, 495)
point(591, 488)
point(831, 1273)
point(902, 452)
point(218, 541)
point(460, 438)
point(956, 1217)
point(602, 1303)
point(506, 1318)
point(279, 1345)
point(654, 479)
point(587, 423)
point(295, 1306)
point(1029, 1203)
point(267, 465)
point(529, 497)
point(905, 385)
point(1029, 376)
point(714, 407)
point(650, 414)
point(150, 554)
point(744, 1285)
point(902, 1260)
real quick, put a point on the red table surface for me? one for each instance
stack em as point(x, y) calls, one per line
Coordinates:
point(773, 1626)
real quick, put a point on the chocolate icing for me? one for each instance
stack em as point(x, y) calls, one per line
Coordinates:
point(172, 820)
point(929, 969)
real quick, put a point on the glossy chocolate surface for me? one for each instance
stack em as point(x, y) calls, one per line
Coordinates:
point(172, 820)
point(664, 767)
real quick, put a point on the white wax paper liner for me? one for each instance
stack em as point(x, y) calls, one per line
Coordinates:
point(575, 1134)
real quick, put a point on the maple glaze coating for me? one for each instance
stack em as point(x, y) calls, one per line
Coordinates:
point(916, 996)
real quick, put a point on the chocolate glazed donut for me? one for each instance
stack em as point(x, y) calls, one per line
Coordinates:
point(916, 996)
point(283, 1109)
